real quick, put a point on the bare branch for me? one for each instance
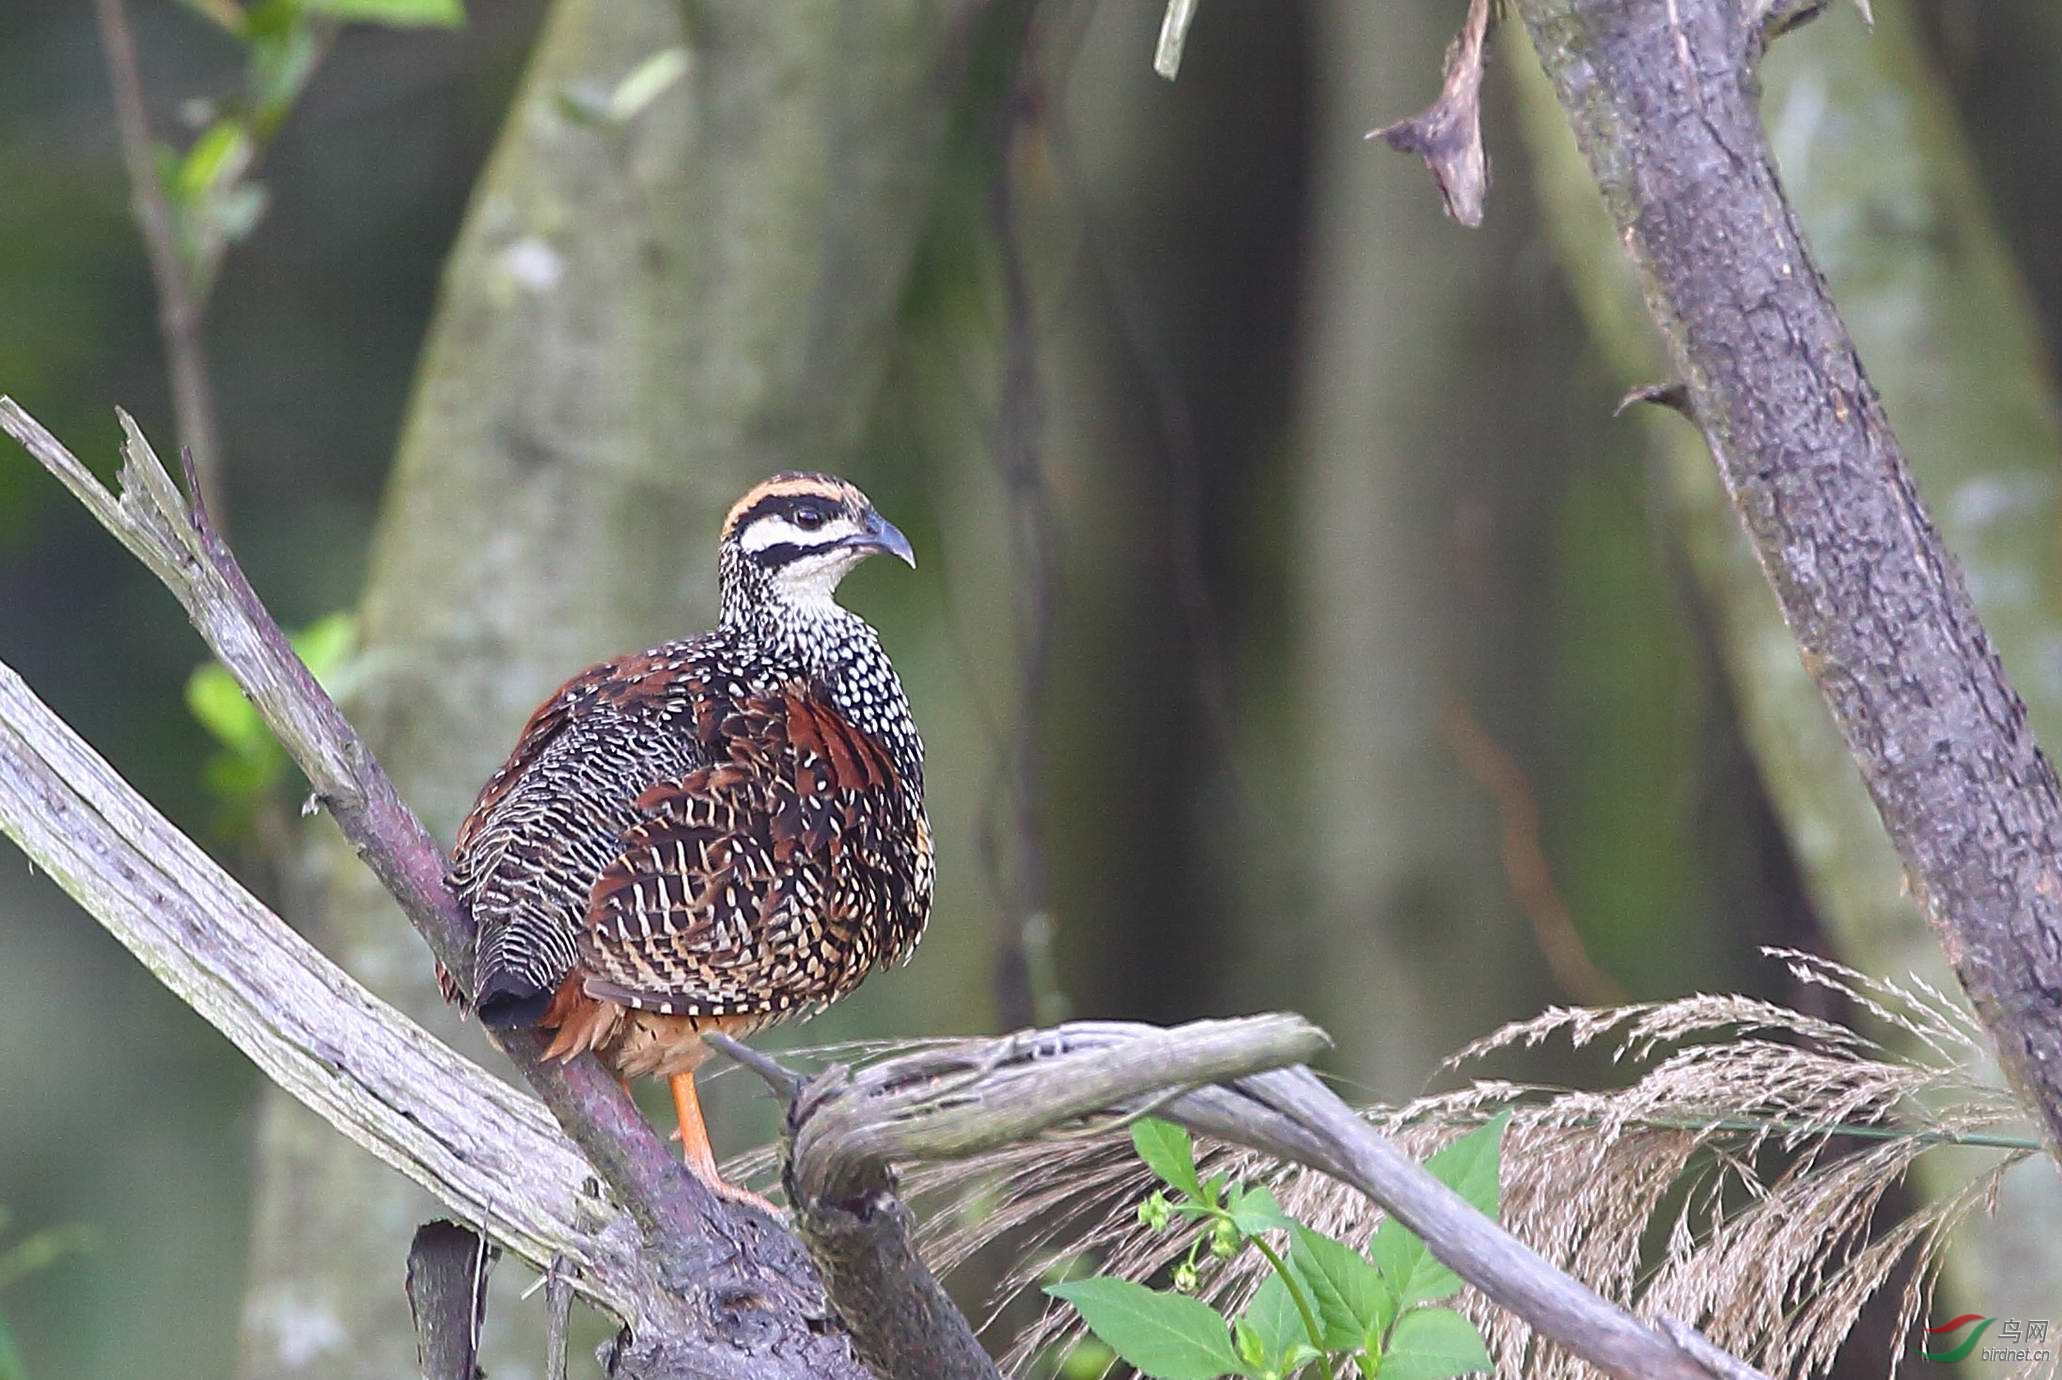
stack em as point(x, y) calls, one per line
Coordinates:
point(1448, 133)
point(180, 309)
point(1530, 875)
point(1019, 436)
point(1674, 396)
point(1663, 107)
point(848, 1129)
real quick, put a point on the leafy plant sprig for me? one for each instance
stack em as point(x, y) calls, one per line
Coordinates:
point(1325, 1305)
point(213, 198)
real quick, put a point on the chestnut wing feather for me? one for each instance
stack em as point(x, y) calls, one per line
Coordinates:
point(767, 883)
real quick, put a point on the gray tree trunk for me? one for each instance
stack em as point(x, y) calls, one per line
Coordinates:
point(1875, 164)
point(639, 317)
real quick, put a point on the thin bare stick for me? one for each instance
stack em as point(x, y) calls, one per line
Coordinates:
point(180, 309)
point(1526, 868)
point(1174, 36)
point(1019, 434)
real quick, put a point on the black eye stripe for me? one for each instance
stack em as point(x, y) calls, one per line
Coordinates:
point(780, 553)
point(785, 505)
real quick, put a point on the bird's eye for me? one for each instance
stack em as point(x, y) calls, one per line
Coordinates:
point(808, 518)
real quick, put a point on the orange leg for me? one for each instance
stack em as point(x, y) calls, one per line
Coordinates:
point(694, 1140)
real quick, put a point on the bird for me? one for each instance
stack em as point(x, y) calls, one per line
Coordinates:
point(718, 834)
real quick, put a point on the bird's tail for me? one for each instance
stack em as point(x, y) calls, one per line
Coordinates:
point(508, 1000)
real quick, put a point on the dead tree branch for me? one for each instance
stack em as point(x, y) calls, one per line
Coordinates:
point(1663, 104)
point(847, 1130)
point(480, 1146)
point(727, 1291)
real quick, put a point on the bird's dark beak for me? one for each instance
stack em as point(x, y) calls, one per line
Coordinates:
point(884, 536)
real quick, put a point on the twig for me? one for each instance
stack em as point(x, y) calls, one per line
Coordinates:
point(180, 310)
point(1879, 609)
point(1531, 877)
point(558, 1309)
point(1019, 432)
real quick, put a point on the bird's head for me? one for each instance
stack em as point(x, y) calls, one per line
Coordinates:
point(793, 537)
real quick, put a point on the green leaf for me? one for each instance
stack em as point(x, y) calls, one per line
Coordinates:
point(1167, 1152)
point(283, 57)
point(1433, 1344)
point(218, 157)
point(1354, 1302)
point(326, 644)
point(1164, 1336)
point(1412, 1272)
point(1273, 1317)
point(1254, 1210)
point(447, 14)
point(215, 699)
point(1087, 1359)
point(44, 1249)
point(1471, 1167)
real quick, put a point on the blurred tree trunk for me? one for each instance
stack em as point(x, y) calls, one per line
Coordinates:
point(1876, 166)
point(1999, 59)
point(1370, 404)
point(1404, 418)
point(640, 316)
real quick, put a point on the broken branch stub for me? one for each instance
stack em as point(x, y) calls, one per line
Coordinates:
point(1448, 133)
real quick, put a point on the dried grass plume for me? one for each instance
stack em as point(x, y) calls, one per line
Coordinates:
point(1743, 1179)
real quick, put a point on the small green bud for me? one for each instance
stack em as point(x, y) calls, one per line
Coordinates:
point(1185, 1278)
point(1154, 1213)
point(1224, 1240)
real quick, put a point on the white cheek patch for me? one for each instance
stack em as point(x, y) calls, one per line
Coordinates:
point(773, 531)
point(816, 577)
